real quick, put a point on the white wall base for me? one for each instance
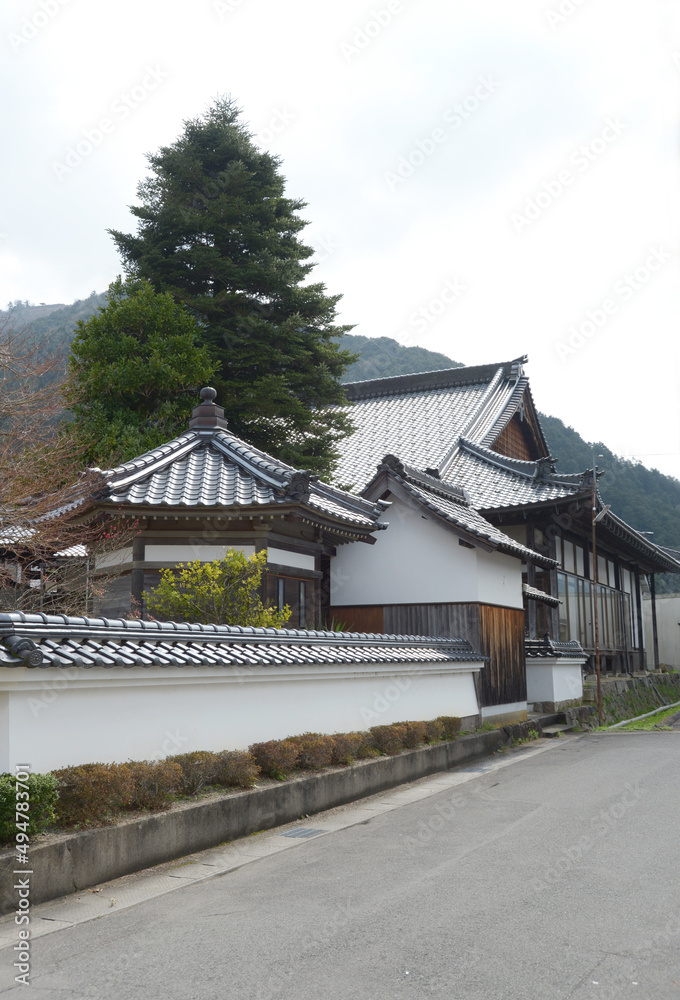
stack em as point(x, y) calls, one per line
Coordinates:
point(512, 712)
point(55, 718)
point(555, 679)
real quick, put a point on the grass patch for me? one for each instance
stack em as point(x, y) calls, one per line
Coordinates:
point(652, 721)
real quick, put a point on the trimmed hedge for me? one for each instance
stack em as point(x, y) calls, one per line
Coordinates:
point(92, 793)
point(95, 794)
point(236, 769)
point(315, 751)
point(198, 769)
point(42, 799)
point(275, 757)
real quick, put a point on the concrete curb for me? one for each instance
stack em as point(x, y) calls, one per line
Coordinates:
point(67, 863)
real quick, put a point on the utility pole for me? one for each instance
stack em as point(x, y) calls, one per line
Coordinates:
point(595, 518)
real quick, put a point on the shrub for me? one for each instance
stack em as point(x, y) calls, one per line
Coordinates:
point(236, 769)
point(388, 739)
point(347, 747)
point(154, 782)
point(416, 733)
point(92, 793)
point(450, 726)
point(315, 751)
point(42, 798)
point(434, 731)
point(275, 757)
point(364, 745)
point(199, 768)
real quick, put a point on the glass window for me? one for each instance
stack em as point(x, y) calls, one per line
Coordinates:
point(564, 611)
point(579, 561)
point(602, 570)
point(302, 611)
point(280, 593)
point(572, 590)
point(558, 550)
point(612, 573)
point(569, 561)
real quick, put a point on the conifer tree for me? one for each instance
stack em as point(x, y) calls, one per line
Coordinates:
point(134, 370)
point(217, 231)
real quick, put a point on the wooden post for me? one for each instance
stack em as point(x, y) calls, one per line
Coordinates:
point(652, 585)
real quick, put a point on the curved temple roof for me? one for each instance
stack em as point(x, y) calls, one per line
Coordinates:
point(209, 467)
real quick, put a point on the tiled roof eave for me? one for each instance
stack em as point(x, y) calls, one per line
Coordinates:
point(477, 536)
point(235, 512)
point(60, 628)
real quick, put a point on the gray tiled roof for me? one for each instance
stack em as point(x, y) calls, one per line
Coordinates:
point(447, 421)
point(57, 641)
point(451, 504)
point(211, 468)
point(492, 480)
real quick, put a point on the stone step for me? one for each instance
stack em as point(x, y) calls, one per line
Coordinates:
point(557, 730)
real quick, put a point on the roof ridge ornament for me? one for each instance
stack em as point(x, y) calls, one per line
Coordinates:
point(391, 463)
point(208, 415)
point(299, 485)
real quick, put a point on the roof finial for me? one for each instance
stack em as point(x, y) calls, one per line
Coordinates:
point(207, 415)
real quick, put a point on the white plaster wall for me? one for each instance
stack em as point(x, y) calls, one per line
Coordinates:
point(499, 579)
point(667, 619)
point(189, 553)
point(57, 718)
point(296, 560)
point(414, 561)
point(555, 679)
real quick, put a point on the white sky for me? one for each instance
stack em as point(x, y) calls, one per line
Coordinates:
point(574, 103)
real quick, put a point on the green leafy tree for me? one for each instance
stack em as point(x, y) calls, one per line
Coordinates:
point(133, 369)
point(224, 592)
point(216, 230)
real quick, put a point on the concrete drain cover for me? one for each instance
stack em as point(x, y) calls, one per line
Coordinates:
point(301, 831)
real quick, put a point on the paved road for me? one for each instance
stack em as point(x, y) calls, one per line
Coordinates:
point(553, 878)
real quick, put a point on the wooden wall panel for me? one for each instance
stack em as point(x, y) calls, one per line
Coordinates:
point(512, 441)
point(455, 620)
point(359, 619)
point(504, 680)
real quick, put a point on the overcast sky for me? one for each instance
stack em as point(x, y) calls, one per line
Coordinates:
point(484, 178)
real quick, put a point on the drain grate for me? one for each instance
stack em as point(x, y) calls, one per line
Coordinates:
point(301, 831)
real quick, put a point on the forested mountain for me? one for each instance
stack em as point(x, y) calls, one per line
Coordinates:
point(53, 325)
point(382, 356)
point(645, 498)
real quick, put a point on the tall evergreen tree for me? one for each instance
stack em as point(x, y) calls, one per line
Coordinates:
point(216, 230)
point(134, 371)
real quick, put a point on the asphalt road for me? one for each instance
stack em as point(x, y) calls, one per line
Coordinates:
point(554, 878)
